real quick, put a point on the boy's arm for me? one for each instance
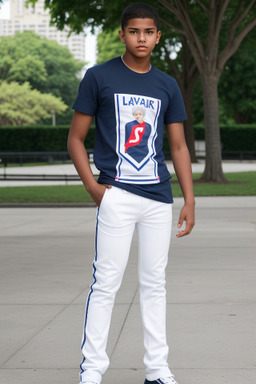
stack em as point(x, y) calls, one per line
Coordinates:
point(182, 165)
point(78, 131)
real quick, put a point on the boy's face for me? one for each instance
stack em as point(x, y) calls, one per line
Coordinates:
point(140, 37)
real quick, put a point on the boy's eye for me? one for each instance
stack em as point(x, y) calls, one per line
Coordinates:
point(135, 32)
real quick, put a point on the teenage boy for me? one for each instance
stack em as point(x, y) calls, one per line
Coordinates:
point(132, 190)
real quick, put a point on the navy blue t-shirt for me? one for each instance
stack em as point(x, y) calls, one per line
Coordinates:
point(130, 112)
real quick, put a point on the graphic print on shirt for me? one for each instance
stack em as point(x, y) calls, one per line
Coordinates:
point(136, 129)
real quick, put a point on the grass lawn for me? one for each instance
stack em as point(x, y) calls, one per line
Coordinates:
point(239, 184)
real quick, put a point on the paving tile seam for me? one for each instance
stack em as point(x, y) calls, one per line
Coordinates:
point(64, 307)
point(43, 236)
point(124, 303)
point(206, 270)
point(182, 368)
point(33, 305)
point(92, 205)
point(177, 368)
point(40, 369)
point(214, 369)
point(23, 224)
point(203, 248)
point(226, 303)
point(209, 270)
point(31, 338)
point(125, 319)
point(217, 368)
point(169, 302)
point(132, 369)
point(252, 247)
point(185, 247)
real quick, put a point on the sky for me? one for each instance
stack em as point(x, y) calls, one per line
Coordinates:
point(90, 52)
point(5, 10)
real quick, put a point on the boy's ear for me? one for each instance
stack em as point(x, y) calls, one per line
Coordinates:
point(121, 35)
point(159, 33)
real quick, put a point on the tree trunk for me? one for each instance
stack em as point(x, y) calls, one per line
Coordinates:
point(188, 80)
point(188, 127)
point(213, 164)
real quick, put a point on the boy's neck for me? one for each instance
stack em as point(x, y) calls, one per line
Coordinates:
point(139, 65)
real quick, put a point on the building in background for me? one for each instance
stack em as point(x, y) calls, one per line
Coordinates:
point(37, 19)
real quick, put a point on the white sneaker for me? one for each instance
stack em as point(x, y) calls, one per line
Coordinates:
point(88, 382)
point(166, 380)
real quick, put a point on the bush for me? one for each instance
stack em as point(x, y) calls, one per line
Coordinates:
point(38, 139)
point(54, 139)
point(233, 137)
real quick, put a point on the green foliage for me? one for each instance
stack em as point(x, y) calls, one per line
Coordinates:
point(47, 66)
point(238, 138)
point(48, 138)
point(237, 88)
point(29, 68)
point(30, 139)
point(39, 138)
point(77, 14)
point(233, 137)
point(213, 30)
point(109, 46)
point(19, 104)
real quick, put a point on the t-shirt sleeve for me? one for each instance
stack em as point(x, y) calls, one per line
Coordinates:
point(176, 111)
point(86, 101)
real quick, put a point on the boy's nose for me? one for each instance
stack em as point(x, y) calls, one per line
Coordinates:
point(141, 37)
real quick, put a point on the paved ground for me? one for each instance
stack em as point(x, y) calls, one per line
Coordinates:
point(69, 169)
point(45, 258)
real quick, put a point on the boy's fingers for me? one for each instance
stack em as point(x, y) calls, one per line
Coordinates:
point(187, 215)
point(183, 233)
point(181, 219)
point(186, 231)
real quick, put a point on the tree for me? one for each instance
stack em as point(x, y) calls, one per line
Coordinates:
point(184, 70)
point(20, 105)
point(202, 23)
point(47, 66)
point(109, 45)
point(237, 86)
point(25, 68)
point(210, 55)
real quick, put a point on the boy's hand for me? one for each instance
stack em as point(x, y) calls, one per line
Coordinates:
point(98, 191)
point(186, 214)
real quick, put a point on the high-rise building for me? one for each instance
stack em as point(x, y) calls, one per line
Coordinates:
point(37, 19)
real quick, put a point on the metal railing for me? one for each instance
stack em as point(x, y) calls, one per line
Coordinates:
point(21, 158)
point(53, 157)
point(30, 157)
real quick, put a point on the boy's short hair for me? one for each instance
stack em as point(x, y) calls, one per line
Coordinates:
point(139, 11)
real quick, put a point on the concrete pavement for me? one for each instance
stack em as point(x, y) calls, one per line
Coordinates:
point(46, 257)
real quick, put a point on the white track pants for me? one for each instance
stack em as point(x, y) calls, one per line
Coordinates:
point(120, 212)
